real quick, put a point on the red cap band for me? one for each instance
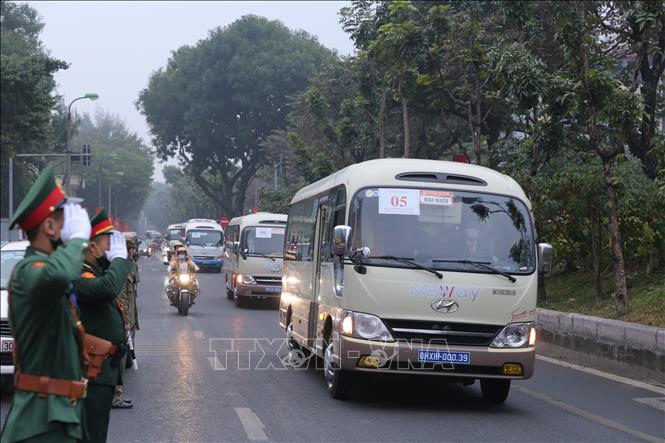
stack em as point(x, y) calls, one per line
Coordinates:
point(45, 208)
point(101, 227)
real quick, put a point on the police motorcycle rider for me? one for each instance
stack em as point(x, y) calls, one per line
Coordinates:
point(179, 259)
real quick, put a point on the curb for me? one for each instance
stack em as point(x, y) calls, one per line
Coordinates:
point(612, 345)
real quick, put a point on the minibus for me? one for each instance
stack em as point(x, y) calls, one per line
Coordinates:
point(253, 263)
point(407, 266)
point(204, 239)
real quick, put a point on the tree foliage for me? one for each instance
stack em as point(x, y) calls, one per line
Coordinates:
point(119, 159)
point(563, 96)
point(30, 116)
point(214, 103)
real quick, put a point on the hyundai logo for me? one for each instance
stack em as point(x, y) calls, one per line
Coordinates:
point(445, 305)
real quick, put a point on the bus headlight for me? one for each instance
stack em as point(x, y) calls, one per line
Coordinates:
point(514, 335)
point(369, 327)
point(183, 278)
point(246, 279)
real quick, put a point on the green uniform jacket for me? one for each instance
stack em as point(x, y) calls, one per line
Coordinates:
point(127, 298)
point(96, 293)
point(46, 340)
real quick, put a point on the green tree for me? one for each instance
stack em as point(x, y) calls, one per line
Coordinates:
point(637, 30)
point(29, 104)
point(114, 150)
point(214, 103)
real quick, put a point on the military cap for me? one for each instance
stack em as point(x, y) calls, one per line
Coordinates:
point(43, 198)
point(101, 223)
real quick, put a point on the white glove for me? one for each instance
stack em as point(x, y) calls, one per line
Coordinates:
point(77, 223)
point(118, 246)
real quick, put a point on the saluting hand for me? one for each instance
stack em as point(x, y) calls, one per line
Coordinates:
point(118, 247)
point(77, 223)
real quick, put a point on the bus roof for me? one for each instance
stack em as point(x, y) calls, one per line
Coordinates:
point(409, 173)
point(260, 218)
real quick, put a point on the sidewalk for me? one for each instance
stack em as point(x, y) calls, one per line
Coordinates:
point(622, 348)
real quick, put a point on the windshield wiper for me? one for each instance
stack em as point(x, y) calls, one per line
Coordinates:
point(408, 261)
point(479, 264)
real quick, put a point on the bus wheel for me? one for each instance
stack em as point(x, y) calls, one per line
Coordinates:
point(495, 391)
point(229, 292)
point(339, 381)
point(240, 299)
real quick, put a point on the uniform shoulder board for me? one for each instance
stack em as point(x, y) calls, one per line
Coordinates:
point(37, 264)
point(87, 274)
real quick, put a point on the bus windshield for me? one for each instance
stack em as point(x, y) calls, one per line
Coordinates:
point(204, 237)
point(442, 229)
point(263, 240)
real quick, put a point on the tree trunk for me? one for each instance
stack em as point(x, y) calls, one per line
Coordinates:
point(621, 291)
point(596, 247)
point(382, 122)
point(405, 115)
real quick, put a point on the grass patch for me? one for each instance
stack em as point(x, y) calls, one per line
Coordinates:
point(576, 292)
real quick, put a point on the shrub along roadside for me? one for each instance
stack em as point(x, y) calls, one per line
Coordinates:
point(575, 292)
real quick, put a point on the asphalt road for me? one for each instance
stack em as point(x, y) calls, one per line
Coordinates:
point(188, 389)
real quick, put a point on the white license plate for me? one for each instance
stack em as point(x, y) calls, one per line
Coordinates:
point(7, 345)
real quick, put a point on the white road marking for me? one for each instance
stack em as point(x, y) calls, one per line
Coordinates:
point(252, 424)
point(654, 402)
point(588, 415)
point(215, 364)
point(199, 335)
point(596, 372)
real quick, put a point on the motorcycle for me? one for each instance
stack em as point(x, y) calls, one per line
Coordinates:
point(185, 290)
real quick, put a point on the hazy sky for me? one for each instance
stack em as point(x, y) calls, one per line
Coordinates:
point(113, 47)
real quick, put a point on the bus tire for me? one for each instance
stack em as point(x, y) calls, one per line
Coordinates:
point(495, 391)
point(339, 381)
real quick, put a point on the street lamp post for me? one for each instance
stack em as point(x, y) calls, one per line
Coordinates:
point(91, 96)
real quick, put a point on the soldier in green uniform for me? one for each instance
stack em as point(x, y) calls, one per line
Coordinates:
point(127, 300)
point(99, 284)
point(47, 357)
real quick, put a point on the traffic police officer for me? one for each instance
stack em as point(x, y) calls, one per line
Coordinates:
point(47, 355)
point(105, 270)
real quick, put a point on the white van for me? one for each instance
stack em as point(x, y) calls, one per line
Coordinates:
point(10, 254)
point(204, 239)
point(415, 267)
point(253, 264)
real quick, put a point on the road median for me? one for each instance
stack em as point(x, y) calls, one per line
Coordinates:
point(623, 348)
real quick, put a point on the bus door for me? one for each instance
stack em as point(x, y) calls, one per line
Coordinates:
point(322, 213)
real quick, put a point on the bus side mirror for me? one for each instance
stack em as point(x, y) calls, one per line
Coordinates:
point(545, 257)
point(244, 253)
point(341, 237)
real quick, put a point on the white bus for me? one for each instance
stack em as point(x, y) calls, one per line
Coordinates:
point(204, 239)
point(253, 263)
point(415, 267)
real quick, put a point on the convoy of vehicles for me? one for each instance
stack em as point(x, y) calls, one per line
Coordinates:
point(10, 254)
point(388, 266)
point(414, 267)
point(253, 257)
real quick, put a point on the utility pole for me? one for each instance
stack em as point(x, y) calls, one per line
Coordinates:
point(99, 187)
point(11, 187)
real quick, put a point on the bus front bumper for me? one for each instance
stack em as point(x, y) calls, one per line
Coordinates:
point(404, 357)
